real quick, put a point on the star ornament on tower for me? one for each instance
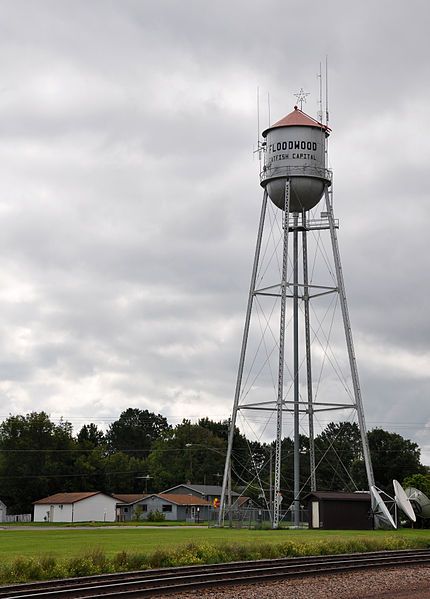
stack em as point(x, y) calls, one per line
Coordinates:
point(301, 97)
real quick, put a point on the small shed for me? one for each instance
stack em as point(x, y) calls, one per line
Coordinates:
point(76, 507)
point(339, 510)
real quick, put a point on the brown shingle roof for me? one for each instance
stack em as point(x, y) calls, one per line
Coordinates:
point(130, 497)
point(183, 499)
point(65, 498)
point(241, 501)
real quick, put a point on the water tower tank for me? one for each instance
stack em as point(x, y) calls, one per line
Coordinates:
point(296, 150)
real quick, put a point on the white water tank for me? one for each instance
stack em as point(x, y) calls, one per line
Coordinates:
point(295, 150)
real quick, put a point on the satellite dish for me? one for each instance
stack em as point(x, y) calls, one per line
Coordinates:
point(380, 510)
point(419, 500)
point(403, 502)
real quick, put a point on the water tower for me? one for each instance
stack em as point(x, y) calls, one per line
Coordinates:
point(295, 178)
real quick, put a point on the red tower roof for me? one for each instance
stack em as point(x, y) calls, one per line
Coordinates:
point(297, 118)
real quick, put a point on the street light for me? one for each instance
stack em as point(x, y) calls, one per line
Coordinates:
point(206, 448)
point(188, 445)
point(222, 453)
point(145, 478)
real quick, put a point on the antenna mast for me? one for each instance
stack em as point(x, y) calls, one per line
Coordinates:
point(258, 115)
point(258, 128)
point(320, 101)
point(326, 90)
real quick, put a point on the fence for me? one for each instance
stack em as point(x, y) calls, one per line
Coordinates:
point(256, 518)
point(17, 518)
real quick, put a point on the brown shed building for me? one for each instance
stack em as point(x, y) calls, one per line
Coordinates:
point(339, 511)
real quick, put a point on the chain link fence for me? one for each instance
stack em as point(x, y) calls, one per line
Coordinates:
point(256, 518)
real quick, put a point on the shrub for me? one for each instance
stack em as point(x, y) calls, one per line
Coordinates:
point(161, 558)
point(156, 516)
point(91, 562)
point(124, 561)
point(23, 569)
point(138, 513)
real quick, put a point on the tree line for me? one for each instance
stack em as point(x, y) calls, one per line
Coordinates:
point(142, 452)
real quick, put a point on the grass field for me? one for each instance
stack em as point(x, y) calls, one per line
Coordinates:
point(28, 553)
point(32, 542)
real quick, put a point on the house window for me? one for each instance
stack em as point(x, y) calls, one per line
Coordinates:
point(166, 507)
point(144, 507)
point(126, 510)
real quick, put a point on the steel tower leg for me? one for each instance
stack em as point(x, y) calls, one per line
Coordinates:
point(242, 360)
point(280, 398)
point(296, 501)
point(308, 357)
point(349, 341)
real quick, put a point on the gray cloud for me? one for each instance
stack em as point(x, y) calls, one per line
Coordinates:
point(129, 196)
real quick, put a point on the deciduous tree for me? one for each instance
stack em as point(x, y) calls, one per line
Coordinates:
point(135, 431)
point(189, 453)
point(37, 459)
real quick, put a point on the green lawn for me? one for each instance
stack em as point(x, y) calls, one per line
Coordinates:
point(71, 542)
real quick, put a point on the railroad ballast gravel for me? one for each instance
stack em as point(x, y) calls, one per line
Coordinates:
point(388, 583)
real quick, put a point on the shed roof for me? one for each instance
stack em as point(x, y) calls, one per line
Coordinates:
point(297, 118)
point(339, 496)
point(240, 501)
point(66, 498)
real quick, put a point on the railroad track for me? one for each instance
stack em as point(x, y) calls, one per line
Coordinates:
point(152, 583)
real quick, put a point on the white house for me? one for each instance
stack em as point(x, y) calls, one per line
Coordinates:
point(76, 507)
point(3, 511)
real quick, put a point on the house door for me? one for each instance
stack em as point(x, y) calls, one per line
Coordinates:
point(51, 514)
point(193, 513)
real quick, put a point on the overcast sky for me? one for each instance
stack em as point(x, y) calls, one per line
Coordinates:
point(129, 196)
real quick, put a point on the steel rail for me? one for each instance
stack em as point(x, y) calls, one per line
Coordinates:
point(172, 580)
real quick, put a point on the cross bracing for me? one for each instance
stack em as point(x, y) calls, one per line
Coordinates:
point(297, 362)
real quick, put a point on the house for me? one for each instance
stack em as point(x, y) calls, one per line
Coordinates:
point(128, 497)
point(76, 507)
point(339, 510)
point(173, 506)
point(208, 492)
point(123, 513)
point(3, 511)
